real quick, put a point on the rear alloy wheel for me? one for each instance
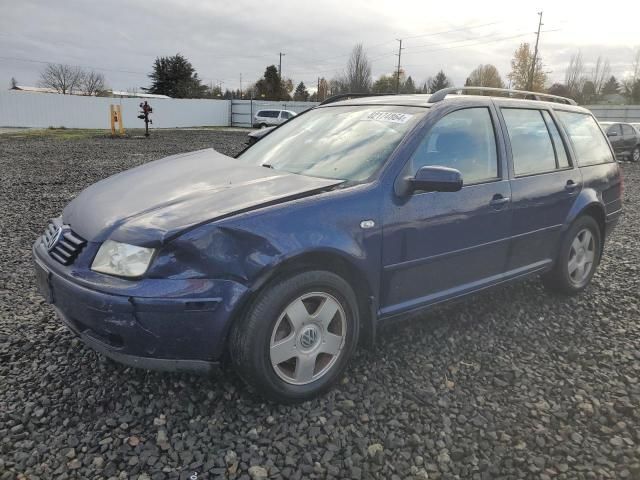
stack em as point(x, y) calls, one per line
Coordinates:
point(635, 155)
point(582, 254)
point(297, 336)
point(578, 258)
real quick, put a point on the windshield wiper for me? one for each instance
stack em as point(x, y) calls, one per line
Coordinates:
point(266, 165)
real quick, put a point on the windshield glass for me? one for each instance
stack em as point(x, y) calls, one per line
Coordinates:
point(346, 143)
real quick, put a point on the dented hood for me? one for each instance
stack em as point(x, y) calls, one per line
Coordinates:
point(155, 201)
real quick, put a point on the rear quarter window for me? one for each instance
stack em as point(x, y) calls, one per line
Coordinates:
point(589, 143)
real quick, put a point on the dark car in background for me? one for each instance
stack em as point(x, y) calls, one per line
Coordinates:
point(355, 214)
point(625, 140)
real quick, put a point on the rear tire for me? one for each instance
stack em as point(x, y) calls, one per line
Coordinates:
point(577, 259)
point(297, 336)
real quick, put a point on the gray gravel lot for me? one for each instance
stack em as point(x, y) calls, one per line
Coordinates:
point(516, 383)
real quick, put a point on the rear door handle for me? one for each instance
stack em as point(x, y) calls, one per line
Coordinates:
point(498, 200)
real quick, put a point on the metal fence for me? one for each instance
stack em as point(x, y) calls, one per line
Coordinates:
point(616, 113)
point(42, 110)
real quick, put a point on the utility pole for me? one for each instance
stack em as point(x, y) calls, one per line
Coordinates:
point(280, 65)
point(398, 72)
point(535, 55)
point(240, 85)
point(280, 70)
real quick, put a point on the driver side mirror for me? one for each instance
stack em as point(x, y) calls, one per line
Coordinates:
point(432, 179)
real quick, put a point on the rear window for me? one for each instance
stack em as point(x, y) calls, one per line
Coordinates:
point(587, 139)
point(531, 145)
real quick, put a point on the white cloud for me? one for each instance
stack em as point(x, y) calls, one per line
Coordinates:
point(225, 39)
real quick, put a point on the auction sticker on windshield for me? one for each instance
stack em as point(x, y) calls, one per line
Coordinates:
point(392, 117)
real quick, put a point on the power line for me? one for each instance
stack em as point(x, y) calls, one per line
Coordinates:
point(454, 30)
point(475, 44)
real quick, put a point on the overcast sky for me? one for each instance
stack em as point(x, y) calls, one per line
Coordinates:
point(226, 39)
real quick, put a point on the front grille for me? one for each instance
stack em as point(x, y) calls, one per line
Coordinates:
point(62, 243)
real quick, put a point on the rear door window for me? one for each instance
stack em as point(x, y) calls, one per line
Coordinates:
point(531, 146)
point(589, 144)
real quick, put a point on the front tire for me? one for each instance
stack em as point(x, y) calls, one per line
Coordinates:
point(578, 258)
point(635, 154)
point(297, 336)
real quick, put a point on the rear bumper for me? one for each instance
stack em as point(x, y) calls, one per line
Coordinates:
point(164, 333)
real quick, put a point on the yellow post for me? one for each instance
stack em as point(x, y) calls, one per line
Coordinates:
point(120, 119)
point(112, 117)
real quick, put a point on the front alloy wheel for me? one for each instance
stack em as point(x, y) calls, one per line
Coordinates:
point(308, 338)
point(297, 336)
point(635, 155)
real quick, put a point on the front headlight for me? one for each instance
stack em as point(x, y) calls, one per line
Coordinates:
point(122, 259)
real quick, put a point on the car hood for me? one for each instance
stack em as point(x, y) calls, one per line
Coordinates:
point(152, 203)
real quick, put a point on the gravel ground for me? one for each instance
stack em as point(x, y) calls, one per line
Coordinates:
point(516, 383)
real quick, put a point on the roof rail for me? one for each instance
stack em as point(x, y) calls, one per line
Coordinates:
point(441, 94)
point(347, 96)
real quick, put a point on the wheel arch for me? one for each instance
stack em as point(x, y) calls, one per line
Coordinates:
point(328, 260)
point(593, 208)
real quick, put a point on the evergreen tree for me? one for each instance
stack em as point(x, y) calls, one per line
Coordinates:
point(439, 82)
point(175, 76)
point(269, 87)
point(612, 86)
point(301, 94)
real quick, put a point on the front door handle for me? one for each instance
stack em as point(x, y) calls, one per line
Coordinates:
point(498, 200)
point(570, 186)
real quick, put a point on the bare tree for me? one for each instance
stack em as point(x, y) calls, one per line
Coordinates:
point(600, 74)
point(63, 78)
point(357, 76)
point(574, 77)
point(92, 83)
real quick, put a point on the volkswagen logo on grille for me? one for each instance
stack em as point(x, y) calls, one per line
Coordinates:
point(309, 337)
point(51, 242)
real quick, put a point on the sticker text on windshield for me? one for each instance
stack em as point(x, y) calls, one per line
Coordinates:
point(392, 117)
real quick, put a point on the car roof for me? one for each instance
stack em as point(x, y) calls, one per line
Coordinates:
point(422, 100)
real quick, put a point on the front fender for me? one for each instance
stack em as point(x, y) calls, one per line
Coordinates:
point(247, 247)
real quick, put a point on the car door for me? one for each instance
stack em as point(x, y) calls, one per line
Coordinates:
point(629, 138)
point(439, 245)
point(614, 133)
point(284, 116)
point(544, 186)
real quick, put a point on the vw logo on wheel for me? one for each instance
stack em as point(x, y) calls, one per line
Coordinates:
point(53, 240)
point(309, 337)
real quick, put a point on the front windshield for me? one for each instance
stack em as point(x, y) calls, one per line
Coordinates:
point(346, 143)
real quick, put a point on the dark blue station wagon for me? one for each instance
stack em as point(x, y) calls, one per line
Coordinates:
point(349, 215)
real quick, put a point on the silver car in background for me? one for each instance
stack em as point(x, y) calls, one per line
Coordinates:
point(271, 117)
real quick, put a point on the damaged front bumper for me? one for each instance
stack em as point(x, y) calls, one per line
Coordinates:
point(185, 330)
